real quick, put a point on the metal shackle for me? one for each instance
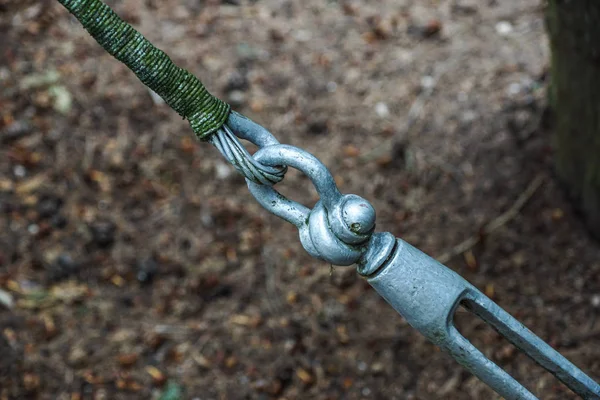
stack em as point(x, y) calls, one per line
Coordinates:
point(338, 225)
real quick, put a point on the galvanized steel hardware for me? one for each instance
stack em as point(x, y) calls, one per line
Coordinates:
point(340, 229)
point(427, 294)
point(337, 228)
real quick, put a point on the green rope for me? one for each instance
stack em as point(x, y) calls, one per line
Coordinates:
point(180, 89)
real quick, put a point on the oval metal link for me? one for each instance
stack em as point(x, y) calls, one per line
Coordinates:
point(276, 203)
point(337, 227)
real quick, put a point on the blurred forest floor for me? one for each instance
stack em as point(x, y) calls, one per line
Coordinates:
point(134, 263)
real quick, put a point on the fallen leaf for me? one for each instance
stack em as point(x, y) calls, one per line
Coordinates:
point(157, 376)
point(489, 290)
point(127, 360)
point(201, 360)
point(305, 376)
point(6, 185)
point(557, 214)
point(351, 151)
point(470, 260)
point(117, 280)
point(30, 185)
point(246, 320)
point(231, 362)
point(31, 381)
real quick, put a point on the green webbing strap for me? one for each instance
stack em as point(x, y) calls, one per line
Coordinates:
point(180, 89)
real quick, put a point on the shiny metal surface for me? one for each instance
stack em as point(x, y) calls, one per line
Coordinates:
point(225, 139)
point(333, 230)
point(426, 294)
point(340, 229)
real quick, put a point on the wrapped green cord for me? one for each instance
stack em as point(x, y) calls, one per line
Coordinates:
point(180, 89)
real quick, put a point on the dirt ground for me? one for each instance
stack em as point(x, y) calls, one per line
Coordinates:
point(134, 264)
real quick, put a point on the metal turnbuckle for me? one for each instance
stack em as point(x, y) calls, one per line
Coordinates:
point(427, 294)
point(340, 229)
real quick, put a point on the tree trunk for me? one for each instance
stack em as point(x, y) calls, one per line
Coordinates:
point(574, 29)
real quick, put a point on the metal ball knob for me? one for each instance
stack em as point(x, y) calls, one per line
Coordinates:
point(358, 215)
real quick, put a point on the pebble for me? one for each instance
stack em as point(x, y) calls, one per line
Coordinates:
point(223, 170)
point(33, 229)
point(6, 299)
point(237, 98)
point(504, 28)
point(331, 87)
point(206, 218)
point(596, 300)
point(4, 74)
point(362, 366)
point(513, 89)
point(427, 82)
point(382, 110)
point(468, 116)
point(352, 75)
point(302, 35)
point(19, 171)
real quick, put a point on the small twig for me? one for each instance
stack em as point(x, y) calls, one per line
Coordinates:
point(496, 223)
point(274, 296)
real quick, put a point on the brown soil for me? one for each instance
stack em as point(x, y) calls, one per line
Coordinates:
point(138, 264)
